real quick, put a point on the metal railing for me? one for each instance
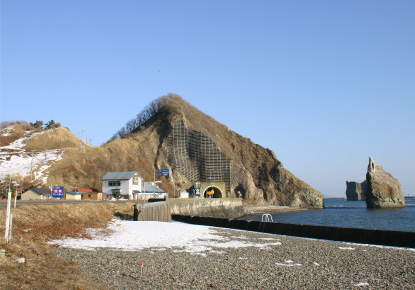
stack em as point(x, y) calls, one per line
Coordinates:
point(266, 217)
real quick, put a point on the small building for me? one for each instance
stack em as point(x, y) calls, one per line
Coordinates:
point(151, 191)
point(36, 193)
point(125, 185)
point(73, 195)
point(90, 194)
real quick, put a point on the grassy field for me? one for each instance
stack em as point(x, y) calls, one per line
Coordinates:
point(34, 226)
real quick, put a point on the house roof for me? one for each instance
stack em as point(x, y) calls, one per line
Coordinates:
point(73, 192)
point(120, 175)
point(151, 188)
point(84, 190)
point(41, 191)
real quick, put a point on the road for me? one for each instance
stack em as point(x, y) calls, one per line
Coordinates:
point(3, 202)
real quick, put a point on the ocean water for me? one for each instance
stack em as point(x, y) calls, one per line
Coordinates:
point(351, 214)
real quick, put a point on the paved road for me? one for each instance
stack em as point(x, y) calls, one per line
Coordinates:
point(3, 202)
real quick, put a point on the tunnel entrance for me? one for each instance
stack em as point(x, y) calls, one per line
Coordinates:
point(213, 192)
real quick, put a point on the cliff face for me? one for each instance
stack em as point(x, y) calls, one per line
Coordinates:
point(383, 191)
point(195, 148)
point(356, 190)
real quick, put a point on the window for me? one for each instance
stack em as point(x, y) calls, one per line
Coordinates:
point(135, 180)
point(114, 183)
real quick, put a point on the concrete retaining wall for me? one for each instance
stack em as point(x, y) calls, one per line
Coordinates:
point(226, 208)
point(158, 211)
point(355, 235)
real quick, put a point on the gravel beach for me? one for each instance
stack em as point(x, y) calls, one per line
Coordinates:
point(281, 263)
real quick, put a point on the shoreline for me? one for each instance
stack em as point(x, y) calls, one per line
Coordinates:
point(282, 262)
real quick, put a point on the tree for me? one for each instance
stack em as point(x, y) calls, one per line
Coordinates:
point(149, 111)
point(51, 125)
point(37, 124)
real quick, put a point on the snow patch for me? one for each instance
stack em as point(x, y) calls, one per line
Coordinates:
point(15, 160)
point(180, 237)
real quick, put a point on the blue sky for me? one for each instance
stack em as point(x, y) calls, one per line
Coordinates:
point(324, 84)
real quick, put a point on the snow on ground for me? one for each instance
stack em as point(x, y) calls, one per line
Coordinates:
point(22, 163)
point(20, 143)
point(15, 160)
point(133, 236)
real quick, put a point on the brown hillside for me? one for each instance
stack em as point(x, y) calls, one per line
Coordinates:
point(14, 132)
point(58, 138)
point(255, 171)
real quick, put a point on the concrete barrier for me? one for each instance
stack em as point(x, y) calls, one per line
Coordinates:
point(355, 235)
point(159, 211)
point(226, 208)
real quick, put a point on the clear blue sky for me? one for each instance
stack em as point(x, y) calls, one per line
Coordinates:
point(324, 84)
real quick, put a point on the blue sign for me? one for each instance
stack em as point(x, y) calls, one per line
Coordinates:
point(58, 192)
point(164, 172)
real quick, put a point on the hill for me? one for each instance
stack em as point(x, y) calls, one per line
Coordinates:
point(194, 147)
point(27, 153)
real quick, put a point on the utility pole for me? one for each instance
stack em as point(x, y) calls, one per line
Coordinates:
point(15, 196)
point(82, 137)
point(8, 218)
point(31, 166)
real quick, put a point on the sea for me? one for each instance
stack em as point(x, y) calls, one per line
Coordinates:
point(350, 214)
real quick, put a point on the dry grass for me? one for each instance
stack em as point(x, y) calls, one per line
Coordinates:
point(17, 132)
point(58, 138)
point(33, 227)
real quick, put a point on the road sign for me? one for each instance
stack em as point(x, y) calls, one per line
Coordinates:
point(163, 172)
point(58, 192)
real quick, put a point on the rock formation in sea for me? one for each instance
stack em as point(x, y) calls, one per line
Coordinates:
point(356, 190)
point(383, 190)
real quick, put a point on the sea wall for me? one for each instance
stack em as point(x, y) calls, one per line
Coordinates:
point(226, 208)
point(355, 235)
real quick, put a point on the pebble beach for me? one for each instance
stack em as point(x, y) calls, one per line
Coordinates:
point(263, 261)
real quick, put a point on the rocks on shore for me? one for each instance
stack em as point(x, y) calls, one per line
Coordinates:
point(383, 190)
point(356, 190)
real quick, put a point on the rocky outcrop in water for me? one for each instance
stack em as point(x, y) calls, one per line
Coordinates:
point(383, 190)
point(356, 190)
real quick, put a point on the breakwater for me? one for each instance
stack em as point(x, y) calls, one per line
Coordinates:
point(226, 208)
point(355, 235)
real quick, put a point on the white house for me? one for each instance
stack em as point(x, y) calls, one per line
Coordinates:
point(122, 184)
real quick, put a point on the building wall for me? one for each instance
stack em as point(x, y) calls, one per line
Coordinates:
point(92, 195)
point(106, 189)
point(126, 187)
point(74, 196)
point(30, 195)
